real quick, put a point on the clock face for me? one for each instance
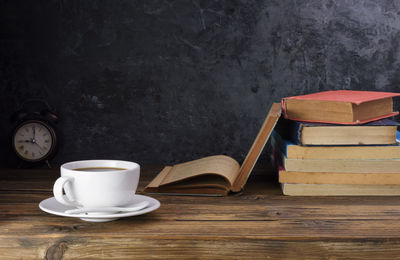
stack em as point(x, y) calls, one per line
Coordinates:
point(33, 140)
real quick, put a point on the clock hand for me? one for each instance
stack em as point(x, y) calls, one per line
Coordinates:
point(34, 128)
point(24, 141)
point(38, 145)
point(33, 141)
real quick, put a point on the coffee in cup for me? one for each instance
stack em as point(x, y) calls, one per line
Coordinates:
point(99, 169)
point(97, 183)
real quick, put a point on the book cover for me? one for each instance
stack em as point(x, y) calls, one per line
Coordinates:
point(340, 106)
point(350, 96)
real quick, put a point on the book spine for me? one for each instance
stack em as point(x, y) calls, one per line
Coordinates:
point(280, 144)
point(299, 134)
point(283, 102)
point(295, 132)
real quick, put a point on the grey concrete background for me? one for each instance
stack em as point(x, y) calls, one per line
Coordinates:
point(168, 81)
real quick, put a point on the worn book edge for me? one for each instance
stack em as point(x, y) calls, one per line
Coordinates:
point(373, 133)
point(296, 177)
point(339, 190)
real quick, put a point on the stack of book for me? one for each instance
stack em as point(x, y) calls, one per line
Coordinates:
point(338, 143)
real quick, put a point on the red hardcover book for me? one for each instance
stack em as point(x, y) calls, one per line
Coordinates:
point(340, 106)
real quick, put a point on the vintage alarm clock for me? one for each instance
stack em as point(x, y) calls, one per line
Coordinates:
point(34, 138)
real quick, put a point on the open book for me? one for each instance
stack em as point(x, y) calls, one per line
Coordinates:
point(214, 175)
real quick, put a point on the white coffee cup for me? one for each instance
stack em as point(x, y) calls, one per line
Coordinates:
point(97, 183)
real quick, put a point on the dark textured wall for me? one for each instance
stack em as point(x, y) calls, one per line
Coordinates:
point(168, 81)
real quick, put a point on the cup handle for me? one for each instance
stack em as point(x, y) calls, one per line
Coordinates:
point(58, 188)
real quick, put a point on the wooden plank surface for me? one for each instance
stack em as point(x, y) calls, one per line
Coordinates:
point(260, 223)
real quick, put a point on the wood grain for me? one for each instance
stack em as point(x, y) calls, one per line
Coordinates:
point(259, 223)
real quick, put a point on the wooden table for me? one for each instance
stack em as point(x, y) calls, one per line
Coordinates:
point(258, 224)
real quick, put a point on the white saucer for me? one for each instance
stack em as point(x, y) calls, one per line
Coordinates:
point(52, 206)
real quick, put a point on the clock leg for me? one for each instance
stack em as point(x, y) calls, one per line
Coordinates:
point(20, 165)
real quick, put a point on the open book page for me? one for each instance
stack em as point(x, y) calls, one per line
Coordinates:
point(257, 147)
point(159, 178)
point(218, 164)
point(204, 185)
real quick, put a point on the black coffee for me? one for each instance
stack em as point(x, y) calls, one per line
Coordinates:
point(99, 169)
